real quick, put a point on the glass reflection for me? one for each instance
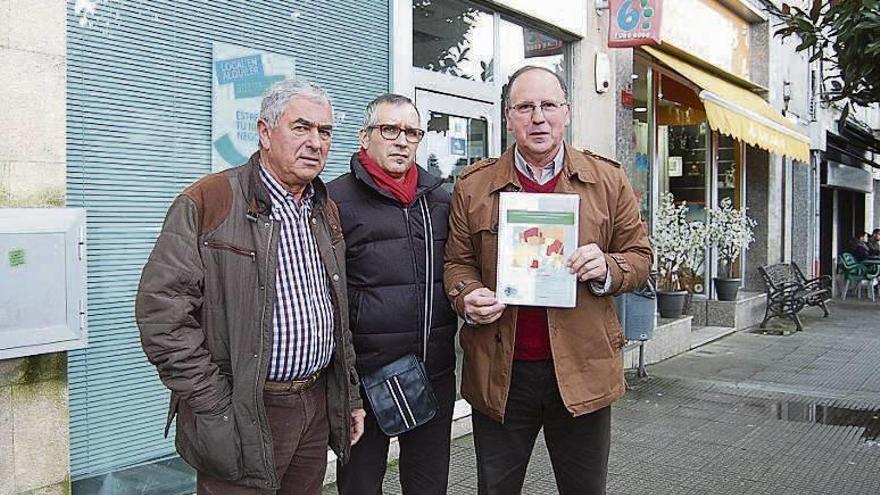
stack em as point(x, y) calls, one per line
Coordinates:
point(640, 171)
point(453, 143)
point(453, 37)
point(525, 46)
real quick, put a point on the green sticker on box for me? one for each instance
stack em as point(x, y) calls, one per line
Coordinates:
point(16, 257)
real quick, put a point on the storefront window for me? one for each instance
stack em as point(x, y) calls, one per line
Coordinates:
point(454, 143)
point(525, 46)
point(727, 180)
point(453, 37)
point(640, 171)
point(683, 141)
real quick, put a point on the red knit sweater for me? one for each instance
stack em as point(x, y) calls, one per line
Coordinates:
point(532, 330)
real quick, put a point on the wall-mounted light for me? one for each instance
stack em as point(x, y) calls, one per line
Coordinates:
point(640, 109)
point(786, 94)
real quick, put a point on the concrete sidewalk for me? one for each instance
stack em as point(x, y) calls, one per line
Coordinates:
point(749, 414)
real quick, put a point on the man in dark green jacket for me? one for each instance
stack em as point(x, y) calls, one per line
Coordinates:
point(242, 308)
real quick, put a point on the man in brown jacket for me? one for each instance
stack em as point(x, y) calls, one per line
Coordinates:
point(243, 310)
point(527, 368)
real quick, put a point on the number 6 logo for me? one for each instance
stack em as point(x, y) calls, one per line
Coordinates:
point(628, 16)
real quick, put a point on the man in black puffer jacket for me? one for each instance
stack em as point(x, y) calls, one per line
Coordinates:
point(388, 208)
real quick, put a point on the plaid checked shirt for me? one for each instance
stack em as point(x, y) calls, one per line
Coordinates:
point(302, 341)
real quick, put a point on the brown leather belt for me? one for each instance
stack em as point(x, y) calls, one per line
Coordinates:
point(294, 386)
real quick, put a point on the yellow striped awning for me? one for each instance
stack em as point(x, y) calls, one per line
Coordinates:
point(740, 113)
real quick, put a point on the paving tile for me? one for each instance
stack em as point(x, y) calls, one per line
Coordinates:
point(738, 416)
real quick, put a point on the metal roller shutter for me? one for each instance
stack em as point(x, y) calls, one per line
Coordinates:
point(138, 132)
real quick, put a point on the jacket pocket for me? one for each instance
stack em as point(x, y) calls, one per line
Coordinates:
point(213, 444)
point(613, 329)
point(172, 411)
point(485, 241)
point(223, 246)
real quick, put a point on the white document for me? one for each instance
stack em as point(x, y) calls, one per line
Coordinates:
point(536, 235)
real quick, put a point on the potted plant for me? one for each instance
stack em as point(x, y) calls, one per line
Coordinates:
point(730, 231)
point(679, 245)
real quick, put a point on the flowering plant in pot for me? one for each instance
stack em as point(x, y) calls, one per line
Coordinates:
point(731, 231)
point(680, 245)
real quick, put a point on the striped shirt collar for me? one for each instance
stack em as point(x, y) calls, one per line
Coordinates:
point(549, 170)
point(280, 195)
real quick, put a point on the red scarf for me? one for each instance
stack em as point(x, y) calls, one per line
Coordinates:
point(405, 190)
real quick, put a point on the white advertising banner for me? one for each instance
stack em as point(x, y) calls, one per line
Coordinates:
point(241, 77)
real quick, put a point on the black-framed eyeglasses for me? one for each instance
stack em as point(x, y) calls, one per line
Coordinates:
point(392, 132)
point(547, 107)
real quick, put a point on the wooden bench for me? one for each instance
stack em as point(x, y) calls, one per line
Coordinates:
point(788, 291)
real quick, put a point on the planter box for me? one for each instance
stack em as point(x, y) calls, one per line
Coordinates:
point(697, 309)
point(747, 311)
point(671, 337)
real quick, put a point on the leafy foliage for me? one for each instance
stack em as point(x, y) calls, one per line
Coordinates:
point(446, 54)
point(680, 243)
point(731, 231)
point(845, 35)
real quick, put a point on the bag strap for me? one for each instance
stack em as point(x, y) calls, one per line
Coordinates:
point(429, 274)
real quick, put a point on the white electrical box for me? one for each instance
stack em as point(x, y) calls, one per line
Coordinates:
point(42, 280)
point(603, 72)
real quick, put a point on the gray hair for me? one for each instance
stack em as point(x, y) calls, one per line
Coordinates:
point(371, 114)
point(527, 68)
point(279, 95)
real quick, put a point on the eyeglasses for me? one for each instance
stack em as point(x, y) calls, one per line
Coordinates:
point(392, 132)
point(547, 107)
point(302, 128)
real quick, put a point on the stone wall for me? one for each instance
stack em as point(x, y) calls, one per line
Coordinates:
point(33, 425)
point(803, 230)
point(34, 439)
point(757, 196)
point(33, 82)
point(593, 114)
point(876, 224)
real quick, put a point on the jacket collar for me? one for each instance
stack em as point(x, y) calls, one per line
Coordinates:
point(258, 199)
point(575, 165)
point(427, 181)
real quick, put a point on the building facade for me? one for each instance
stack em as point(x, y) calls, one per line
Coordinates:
point(136, 100)
point(150, 89)
point(160, 94)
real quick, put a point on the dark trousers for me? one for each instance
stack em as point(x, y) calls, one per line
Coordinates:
point(578, 446)
point(300, 435)
point(424, 452)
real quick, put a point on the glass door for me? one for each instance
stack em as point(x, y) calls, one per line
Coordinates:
point(458, 133)
point(728, 174)
point(684, 156)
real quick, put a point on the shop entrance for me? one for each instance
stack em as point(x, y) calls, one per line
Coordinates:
point(698, 166)
point(459, 132)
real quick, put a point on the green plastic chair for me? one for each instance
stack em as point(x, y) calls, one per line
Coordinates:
point(859, 274)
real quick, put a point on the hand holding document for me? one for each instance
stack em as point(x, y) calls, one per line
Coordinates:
point(537, 234)
point(481, 306)
point(588, 263)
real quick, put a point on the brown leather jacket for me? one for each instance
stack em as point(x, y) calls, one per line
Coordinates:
point(585, 340)
point(204, 309)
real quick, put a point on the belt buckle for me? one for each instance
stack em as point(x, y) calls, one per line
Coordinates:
point(296, 386)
